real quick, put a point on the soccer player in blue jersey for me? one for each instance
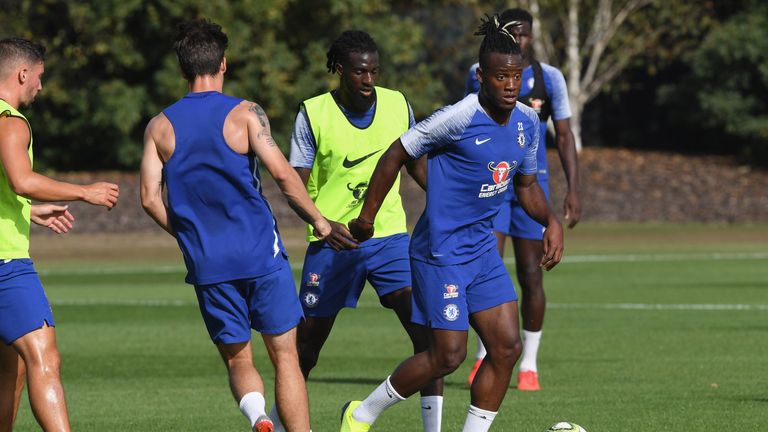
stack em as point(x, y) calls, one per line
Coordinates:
point(543, 89)
point(337, 140)
point(475, 149)
point(205, 149)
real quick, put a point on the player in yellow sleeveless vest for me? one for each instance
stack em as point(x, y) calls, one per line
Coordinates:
point(26, 326)
point(337, 140)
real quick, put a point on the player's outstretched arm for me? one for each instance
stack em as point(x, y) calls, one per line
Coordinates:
point(381, 182)
point(417, 169)
point(55, 217)
point(566, 148)
point(151, 179)
point(14, 137)
point(535, 203)
point(264, 146)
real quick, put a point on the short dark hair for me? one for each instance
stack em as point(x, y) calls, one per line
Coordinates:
point(15, 49)
point(516, 14)
point(350, 41)
point(496, 38)
point(200, 46)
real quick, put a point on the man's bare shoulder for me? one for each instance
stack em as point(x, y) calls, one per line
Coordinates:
point(250, 110)
point(13, 129)
point(158, 123)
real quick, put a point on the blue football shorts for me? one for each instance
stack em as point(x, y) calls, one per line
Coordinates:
point(23, 304)
point(445, 296)
point(513, 221)
point(332, 280)
point(267, 304)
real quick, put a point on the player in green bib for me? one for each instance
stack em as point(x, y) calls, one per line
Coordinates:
point(26, 323)
point(337, 141)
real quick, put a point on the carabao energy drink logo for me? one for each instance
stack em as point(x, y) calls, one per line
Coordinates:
point(500, 179)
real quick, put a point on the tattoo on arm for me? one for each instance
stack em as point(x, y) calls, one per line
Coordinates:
point(265, 133)
point(255, 108)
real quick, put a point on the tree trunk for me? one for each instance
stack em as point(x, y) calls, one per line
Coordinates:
point(575, 90)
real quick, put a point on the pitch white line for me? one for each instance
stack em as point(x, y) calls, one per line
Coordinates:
point(569, 259)
point(623, 258)
point(565, 306)
point(661, 306)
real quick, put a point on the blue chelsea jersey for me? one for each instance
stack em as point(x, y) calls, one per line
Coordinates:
point(471, 162)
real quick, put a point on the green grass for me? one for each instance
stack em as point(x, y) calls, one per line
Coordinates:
point(631, 342)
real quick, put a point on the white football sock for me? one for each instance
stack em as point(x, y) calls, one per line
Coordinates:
point(275, 417)
point(530, 350)
point(432, 413)
point(382, 398)
point(481, 352)
point(252, 406)
point(478, 420)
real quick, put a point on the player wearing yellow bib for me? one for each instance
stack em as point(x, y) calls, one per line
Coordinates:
point(337, 140)
point(26, 322)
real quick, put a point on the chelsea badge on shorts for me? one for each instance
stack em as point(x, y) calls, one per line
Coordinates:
point(451, 312)
point(310, 299)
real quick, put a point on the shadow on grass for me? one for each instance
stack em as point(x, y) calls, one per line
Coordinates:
point(373, 382)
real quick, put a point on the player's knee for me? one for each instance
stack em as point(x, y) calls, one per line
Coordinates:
point(397, 300)
point(447, 361)
point(48, 364)
point(308, 357)
point(530, 276)
point(506, 354)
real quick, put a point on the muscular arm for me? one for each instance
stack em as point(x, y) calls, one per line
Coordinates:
point(152, 180)
point(534, 202)
point(14, 137)
point(566, 148)
point(290, 184)
point(303, 174)
point(417, 169)
point(381, 182)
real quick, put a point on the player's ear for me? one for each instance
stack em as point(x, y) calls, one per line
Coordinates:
point(223, 65)
point(23, 72)
point(479, 75)
point(339, 69)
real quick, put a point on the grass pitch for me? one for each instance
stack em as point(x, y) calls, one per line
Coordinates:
point(649, 328)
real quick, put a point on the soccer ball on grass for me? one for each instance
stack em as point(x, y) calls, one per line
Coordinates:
point(565, 427)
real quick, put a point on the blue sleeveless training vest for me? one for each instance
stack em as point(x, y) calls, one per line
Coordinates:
point(223, 223)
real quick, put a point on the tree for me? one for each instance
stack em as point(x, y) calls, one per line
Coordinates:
point(111, 64)
point(731, 75)
point(593, 41)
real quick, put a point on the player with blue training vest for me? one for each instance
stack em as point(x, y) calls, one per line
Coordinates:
point(337, 140)
point(476, 150)
point(543, 89)
point(27, 337)
point(206, 149)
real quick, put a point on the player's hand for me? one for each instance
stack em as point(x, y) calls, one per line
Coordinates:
point(55, 217)
point(553, 245)
point(340, 237)
point(361, 229)
point(322, 229)
point(101, 193)
point(572, 209)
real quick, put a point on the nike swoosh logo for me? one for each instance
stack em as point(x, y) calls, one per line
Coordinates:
point(478, 142)
point(426, 407)
point(350, 163)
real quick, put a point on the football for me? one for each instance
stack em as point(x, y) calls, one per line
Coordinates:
point(565, 427)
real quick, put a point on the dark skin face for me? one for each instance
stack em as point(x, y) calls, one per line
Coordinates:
point(524, 37)
point(500, 78)
point(358, 75)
